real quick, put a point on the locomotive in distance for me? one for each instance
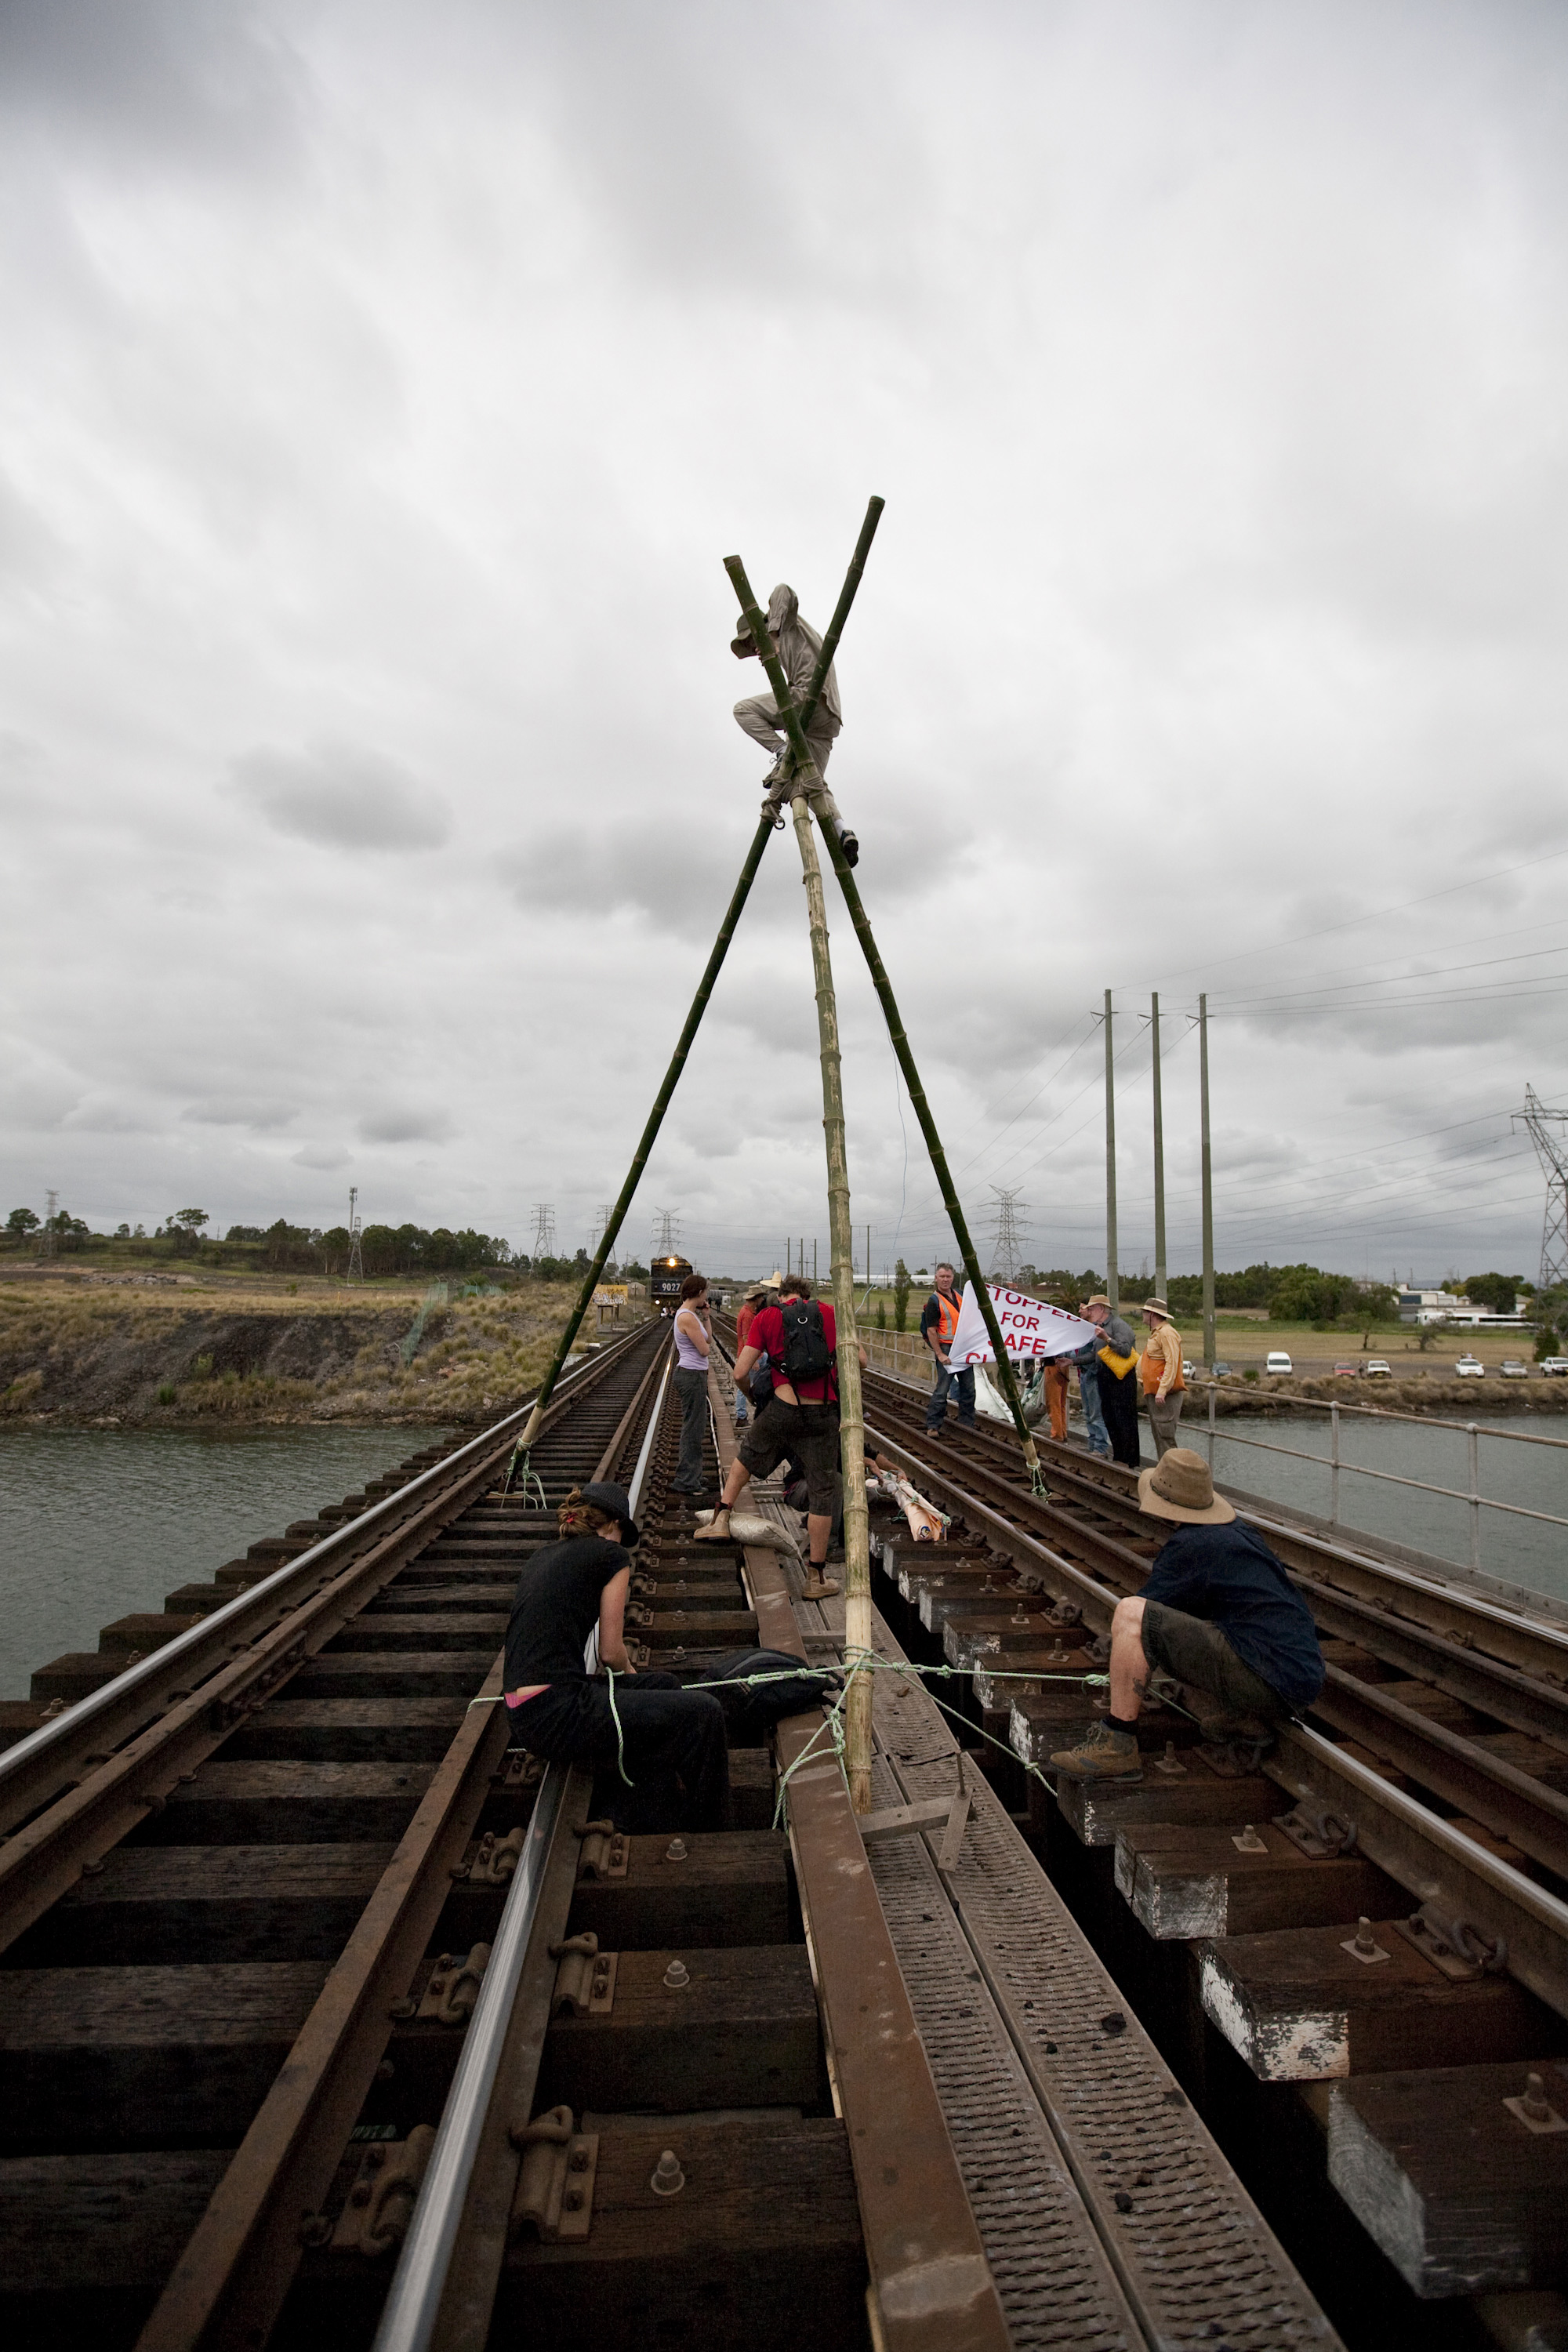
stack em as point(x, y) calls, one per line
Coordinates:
point(666, 1276)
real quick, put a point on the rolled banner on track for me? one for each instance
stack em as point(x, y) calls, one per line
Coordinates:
point(1029, 1326)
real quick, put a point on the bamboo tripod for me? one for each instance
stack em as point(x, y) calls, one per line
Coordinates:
point(795, 721)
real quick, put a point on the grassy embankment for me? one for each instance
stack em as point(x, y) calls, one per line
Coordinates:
point(249, 1351)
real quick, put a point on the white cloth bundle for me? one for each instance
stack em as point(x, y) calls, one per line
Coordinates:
point(751, 1528)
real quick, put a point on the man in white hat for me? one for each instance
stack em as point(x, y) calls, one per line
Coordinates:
point(1218, 1612)
point(1164, 1384)
point(798, 647)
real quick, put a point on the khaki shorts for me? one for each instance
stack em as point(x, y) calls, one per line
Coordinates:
point(809, 1432)
point(1197, 1653)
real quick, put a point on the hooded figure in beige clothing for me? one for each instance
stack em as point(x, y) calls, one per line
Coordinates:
point(798, 647)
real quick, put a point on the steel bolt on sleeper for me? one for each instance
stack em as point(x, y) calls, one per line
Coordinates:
point(1534, 2109)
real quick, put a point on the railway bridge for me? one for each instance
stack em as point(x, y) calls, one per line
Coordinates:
point(326, 2016)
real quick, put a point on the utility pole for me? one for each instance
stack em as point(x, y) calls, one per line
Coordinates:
point(813, 1262)
point(1159, 1158)
point(1206, 1186)
point(1112, 1287)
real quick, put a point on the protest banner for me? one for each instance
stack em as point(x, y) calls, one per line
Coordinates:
point(1029, 1328)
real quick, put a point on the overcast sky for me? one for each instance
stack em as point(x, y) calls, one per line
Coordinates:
point(385, 385)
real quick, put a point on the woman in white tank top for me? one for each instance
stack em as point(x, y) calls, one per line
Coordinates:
point(691, 1345)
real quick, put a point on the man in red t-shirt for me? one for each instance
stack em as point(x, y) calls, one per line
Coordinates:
point(800, 1419)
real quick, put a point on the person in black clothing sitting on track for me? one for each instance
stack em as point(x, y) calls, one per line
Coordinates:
point(1219, 1614)
point(671, 1740)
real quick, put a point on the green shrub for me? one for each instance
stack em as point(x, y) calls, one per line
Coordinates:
point(166, 1392)
point(201, 1369)
point(1250, 1374)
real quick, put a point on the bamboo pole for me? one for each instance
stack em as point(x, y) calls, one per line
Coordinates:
point(1112, 1252)
point(852, 1423)
point(790, 720)
point(649, 1134)
point(1159, 1158)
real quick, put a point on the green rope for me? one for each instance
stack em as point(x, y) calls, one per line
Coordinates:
point(620, 1735)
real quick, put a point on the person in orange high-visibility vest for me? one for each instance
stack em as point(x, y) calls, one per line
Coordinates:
point(939, 1326)
point(1163, 1387)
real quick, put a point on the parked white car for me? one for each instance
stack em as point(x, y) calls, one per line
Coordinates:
point(1378, 1371)
point(1470, 1368)
point(1278, 1361)
point(1512, 1370)
point(1555, 1367)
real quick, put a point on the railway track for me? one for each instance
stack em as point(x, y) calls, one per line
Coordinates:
point(1369, 1922)
point(321, 2010)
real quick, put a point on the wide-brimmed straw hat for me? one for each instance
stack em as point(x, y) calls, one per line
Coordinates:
point(1155, 1307)
point(612, 1502)
point(1099, 1300)
point(1180, 1487)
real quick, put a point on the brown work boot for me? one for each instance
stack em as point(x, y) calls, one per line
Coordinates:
point(818, 1587)
point(718, 1528)
point(1104, 1755)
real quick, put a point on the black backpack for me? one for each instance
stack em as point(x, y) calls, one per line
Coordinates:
point(807, 1354)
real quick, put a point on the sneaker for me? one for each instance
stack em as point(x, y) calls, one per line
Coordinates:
point(851, 848)
point(819, 1588)
point(1104, 1755)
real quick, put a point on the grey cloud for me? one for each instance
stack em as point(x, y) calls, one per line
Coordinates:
point(217, 87)
point(406, 1123)
point(322, 1156)
point(343, 797)
point(265, 1116)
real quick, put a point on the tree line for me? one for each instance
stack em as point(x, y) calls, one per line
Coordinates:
point(285, 1248)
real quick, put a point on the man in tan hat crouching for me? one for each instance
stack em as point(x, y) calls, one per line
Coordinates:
point(1218, 1612)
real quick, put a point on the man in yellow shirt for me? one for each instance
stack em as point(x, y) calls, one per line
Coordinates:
point(1163, 1387)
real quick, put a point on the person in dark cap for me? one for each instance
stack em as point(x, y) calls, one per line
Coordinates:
point(568, 1621)
point(1219, 1614)
point(798, 647)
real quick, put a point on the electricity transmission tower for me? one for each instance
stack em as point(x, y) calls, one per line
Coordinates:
point(601, 1219)
point(1010, 1231)
point(51, 1233)
point(356, 1262)
point(668, 1235)
point(1552, 1150)
point(544, 1229)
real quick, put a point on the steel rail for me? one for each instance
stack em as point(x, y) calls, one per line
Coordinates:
point(1436, 1862)
point(234, 2274)
point(37, 1765)
point(1503, 1798)
point(69, 1825)
point(1468, 1623)
point(414, 2306)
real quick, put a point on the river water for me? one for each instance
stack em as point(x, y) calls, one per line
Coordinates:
point(1533, 1478)
point(98, 1523)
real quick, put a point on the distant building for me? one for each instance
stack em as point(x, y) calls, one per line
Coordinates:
point(1454, 1309)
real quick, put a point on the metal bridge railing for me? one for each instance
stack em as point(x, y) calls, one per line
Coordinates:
point(1472, 1431)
